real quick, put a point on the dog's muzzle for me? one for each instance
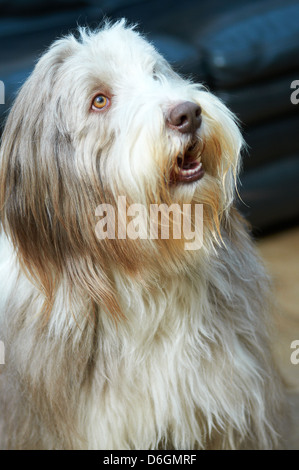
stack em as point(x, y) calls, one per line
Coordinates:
point(185, 118)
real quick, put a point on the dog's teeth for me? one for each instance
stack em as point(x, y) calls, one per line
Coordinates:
point(192, 171)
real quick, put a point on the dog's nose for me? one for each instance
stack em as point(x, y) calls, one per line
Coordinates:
point(185, 117)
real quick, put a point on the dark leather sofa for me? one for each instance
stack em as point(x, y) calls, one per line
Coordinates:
point(246, 52)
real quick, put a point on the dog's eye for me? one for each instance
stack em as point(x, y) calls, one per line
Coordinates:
point(100, 102)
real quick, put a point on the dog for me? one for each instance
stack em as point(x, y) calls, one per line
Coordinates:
point(128, 342)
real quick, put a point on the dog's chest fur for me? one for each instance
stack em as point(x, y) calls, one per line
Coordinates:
point(163, 377)
point(181, 364)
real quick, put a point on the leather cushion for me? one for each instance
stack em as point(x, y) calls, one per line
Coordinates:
point(252, 43)
point(260, 101)
point(270, 194)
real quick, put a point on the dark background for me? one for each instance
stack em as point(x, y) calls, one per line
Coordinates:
point(246, 52)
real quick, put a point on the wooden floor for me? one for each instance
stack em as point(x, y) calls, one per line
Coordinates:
point(281, 256)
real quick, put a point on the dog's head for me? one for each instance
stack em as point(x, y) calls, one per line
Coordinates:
point(101, 117)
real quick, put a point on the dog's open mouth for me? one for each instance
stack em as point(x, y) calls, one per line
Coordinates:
point(188, 166)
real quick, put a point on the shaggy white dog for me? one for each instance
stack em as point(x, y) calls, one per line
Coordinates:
point(123, 343)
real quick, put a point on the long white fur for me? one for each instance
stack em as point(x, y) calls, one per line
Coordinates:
point(189, 367)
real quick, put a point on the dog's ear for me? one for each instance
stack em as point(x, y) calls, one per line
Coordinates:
point(49, 219)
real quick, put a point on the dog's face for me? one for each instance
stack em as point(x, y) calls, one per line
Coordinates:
point(102, 117)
